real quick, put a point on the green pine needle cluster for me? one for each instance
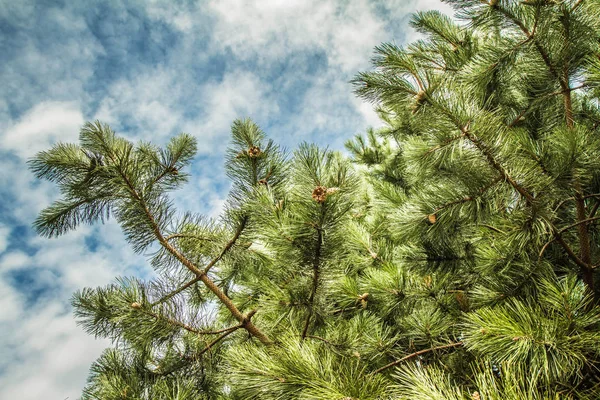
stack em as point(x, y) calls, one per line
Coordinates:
point(452, 255)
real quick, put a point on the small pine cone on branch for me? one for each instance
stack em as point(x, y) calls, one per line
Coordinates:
point(254, 152)
point(319, 194)
point(420, 99)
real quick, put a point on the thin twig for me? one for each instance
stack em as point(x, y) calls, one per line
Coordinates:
point(324, 340)
point(176, 292)
point(229, 244)
point(412, 355)
point(315, 285)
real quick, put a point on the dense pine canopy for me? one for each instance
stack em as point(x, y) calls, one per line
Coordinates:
point(452, 255)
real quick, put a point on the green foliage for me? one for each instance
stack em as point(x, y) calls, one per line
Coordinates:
point(453, 255)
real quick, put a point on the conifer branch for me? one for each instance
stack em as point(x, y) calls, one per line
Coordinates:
point(229, 244)
point(181, 324)
point(584, 241)
point(577, 224)
point(315, 283)
point(464, 129)
point(195, 357)
point(596, 195)
point(577, 4)
point(176, 291)
point(532, 103)
point(211, 264)
point(445, 143)
point(571, 253)
point(595, 208)
point(322, 339)
point(529, 34)
point(412, 355)
point(558, 234)
point(202, 276)
point(467, 199)
point(187, 236)
point(497, 166)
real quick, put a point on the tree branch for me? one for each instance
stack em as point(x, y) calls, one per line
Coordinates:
point(315, 284)
point(229, 244)
point(196, 356)
point(412, 355)
point(466, 199)
point(202, 276)
point(176, 292)
point(182, 325)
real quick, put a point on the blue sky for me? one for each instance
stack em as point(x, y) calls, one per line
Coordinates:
point(152, 69)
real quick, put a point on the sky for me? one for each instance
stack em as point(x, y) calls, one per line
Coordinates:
point(152, 69)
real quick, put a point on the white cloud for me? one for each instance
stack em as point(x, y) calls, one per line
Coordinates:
point(147, 105)
point(272, 30)
point(43, 125)
point(4, 232)
point(45, 355)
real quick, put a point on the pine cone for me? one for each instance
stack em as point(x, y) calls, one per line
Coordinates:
point(431, 218)
point(136, 305)
point(319, 194)
point(420, 99)
point(254, 152)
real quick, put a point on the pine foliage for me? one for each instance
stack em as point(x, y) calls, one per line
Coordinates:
point(453, 255)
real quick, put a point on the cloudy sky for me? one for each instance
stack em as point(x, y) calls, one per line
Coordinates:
point(152, 69)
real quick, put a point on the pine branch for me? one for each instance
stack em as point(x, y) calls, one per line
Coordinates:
point(596, 195)
point(572, 254)
point(485, 152)
point(467, 199)
point(558, 234)
point(202, 276)
point(315, 283)
point(595, 208)
point(584, 242)
point(529, 34)
point(229, 244)
point(179, 323)
point(497, 166)
point(445, 143)
point(195, 357)
point(412, 355)
point(210, 264)
point(532, 103)
point(577, 224)
point(324, 340)
point(188, 236)
point(176, 292)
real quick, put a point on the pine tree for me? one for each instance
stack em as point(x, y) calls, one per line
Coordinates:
point(454, 255)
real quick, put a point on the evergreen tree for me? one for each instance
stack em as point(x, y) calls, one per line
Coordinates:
point(454, 256)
